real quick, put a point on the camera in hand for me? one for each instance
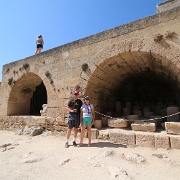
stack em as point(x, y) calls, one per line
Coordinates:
point(75, 110)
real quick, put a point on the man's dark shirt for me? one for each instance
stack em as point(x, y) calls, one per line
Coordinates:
point(75, 104)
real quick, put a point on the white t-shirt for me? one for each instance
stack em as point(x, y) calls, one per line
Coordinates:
point(87, 110)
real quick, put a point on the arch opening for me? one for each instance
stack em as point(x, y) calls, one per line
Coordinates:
point(27, 96)
point(38, 99)
point(134, 79)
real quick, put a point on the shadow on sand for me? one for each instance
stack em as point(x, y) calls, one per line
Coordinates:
point(105, 144)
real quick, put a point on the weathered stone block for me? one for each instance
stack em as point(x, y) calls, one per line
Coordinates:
point(172, 127)
point(118, 123)
point(40, 120)
point(142, 126)
point(34, 120)
point(103, 134)
point(54, 112)
point(61, 121)
point(162, 141)
point(122, 137)
point(50, 120)
point(145, 139)
point(61, 128)
point(167, 5)
point(94, 133)
point(36, 131)
point(175, 141)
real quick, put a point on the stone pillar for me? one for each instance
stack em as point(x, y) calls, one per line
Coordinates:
point(172, 110)
point(136, 112)
point(148, 114)
point(172, 127)
point(128, 105)
point(118, 106)
point(164, 113)
point(98, 124)
point(146, 109)
point(141, 105)
point(118, 123)
point(153, 107)
point(133, 118)
point(158, 110)
point(126, 111)
point(104, 121)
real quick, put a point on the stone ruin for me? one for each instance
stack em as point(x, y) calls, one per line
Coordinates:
point(131, 73)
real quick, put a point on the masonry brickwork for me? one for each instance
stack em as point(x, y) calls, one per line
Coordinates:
point(96, 66)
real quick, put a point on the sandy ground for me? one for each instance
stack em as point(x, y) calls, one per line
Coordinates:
point(44, 157)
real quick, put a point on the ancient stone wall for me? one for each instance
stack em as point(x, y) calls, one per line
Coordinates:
point(167, 5)
point(21, 124)
point(96, 65)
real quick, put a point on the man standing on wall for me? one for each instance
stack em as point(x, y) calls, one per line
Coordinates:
point(73, 107)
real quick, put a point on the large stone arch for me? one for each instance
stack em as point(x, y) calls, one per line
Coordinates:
point(22, 93)
point(127, 61)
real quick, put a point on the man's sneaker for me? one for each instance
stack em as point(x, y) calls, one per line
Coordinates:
point(74, 143)
point(66, 145)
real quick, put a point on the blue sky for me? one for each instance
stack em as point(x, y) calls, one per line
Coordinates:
point(61, 22)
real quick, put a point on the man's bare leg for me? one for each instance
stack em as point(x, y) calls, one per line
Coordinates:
point(67, 137)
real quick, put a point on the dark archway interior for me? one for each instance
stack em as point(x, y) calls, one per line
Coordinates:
point(39, 98)
point(140, 81)
point(148, 90)
point(145, 90)
point(27, 96)
point(148, 87)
